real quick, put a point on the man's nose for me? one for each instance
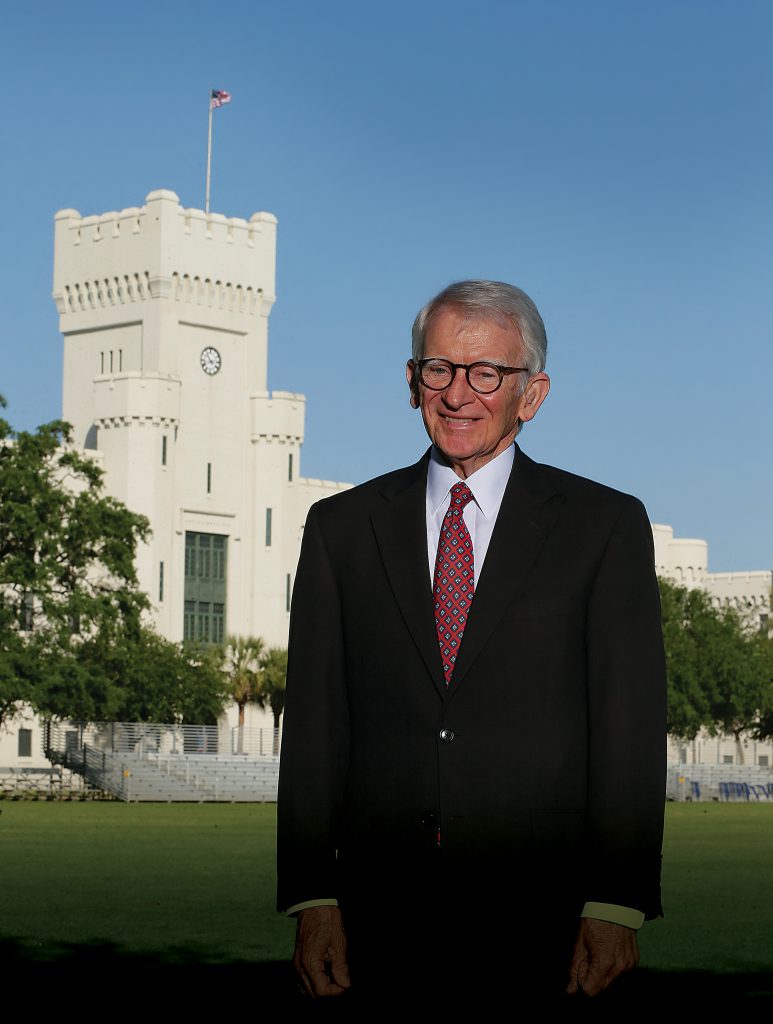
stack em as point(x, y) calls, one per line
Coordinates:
point(458, 391)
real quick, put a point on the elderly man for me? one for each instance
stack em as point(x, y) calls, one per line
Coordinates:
point(473, 761)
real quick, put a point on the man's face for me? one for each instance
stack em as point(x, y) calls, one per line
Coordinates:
point(471, 429)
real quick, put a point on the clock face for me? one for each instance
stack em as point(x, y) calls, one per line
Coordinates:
point(210, 361)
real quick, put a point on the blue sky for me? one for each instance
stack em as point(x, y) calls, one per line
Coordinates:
point(614, 159)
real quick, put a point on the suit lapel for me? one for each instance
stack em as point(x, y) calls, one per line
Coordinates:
point(529, 508)
point(401, 533)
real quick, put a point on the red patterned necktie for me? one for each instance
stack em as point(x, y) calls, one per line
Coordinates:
point(454, 580)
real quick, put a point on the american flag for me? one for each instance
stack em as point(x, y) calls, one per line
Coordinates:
point(218, 97)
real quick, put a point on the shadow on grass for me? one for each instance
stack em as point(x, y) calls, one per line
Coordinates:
point(186, 977)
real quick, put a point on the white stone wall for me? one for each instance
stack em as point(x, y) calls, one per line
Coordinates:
point(720, 750)
point(9, 743)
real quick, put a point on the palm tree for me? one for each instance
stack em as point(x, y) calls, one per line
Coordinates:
point(244, 674)
point(272, 692)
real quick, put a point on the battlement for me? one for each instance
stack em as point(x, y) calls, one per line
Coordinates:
point(277, 416)
point(163, 250)
point(137, 397)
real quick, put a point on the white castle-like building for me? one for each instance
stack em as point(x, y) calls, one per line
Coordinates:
point(164, 314)
point(685, 561)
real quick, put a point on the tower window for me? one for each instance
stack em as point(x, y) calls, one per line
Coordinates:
point(268, 527)
point(290, 467)
point(205, 588)
point(25, 743)
point(161, 581)
point(163, 450)
point(288, 593)
point(209, 478)
point(101, 362)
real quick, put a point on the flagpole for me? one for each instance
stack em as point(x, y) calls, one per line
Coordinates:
point(209, 154)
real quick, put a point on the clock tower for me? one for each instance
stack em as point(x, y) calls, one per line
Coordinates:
point(164, 313)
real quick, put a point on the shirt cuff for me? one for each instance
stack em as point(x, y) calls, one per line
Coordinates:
point(614, 914)
point(296, 908)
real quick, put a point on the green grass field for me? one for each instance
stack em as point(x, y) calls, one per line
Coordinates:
point(717, 890)
point(177, 883)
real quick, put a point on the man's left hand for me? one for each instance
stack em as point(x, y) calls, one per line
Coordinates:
point(602, 952)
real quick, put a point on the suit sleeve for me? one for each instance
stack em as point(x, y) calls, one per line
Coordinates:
point(315, 734)
point(627, 721)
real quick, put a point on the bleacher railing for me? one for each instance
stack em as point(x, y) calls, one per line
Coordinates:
point(149, 740)
point(257, 742)
point(724, 783)
point(149, 761)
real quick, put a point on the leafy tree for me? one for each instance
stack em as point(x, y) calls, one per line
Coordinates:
point(17, 667)
point(242, 668)
point(73, 643)
point(685, 614)
point(720, 669)
point(67, 575)
point(764, 728)
point(274, 685)
point(743, 692)
point(138, 676)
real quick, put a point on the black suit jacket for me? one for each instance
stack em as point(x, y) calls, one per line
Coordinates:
point(542, 765)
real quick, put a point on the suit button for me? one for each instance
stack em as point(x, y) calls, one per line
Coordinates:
point(447, 735)
point(429, 819)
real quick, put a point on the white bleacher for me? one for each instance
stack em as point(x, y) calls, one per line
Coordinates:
point(722, 782)
point(141, 762)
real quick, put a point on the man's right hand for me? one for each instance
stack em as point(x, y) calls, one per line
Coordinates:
point(320, 952)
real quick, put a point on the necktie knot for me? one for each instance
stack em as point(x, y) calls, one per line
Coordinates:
point(461, 496)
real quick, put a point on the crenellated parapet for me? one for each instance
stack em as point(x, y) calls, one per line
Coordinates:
point(744, 591)
point(104, 292)
point(113, 422)
point(277, 417)
point(128, 398)
point(164, 251)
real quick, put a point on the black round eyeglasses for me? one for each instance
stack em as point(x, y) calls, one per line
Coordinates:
point(483, 377)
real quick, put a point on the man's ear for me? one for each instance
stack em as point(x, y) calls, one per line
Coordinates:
point(413, 383)
point(535, 394)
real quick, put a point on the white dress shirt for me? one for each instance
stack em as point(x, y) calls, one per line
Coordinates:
point(487, 485)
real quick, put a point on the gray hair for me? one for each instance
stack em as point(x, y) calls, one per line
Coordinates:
point(489, 300)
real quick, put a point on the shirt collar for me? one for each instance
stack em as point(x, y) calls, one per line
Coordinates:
point(487, 484)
